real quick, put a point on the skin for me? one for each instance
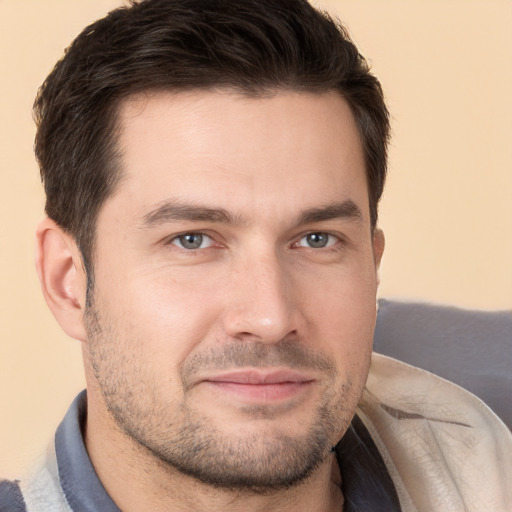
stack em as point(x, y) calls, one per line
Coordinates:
point(281, 288)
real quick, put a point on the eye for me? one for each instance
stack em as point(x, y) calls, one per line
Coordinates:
point(317, 240)
point(192, 241)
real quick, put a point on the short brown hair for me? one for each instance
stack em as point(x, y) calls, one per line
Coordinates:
point(252, 46)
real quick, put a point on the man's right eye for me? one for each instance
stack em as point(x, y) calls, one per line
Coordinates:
point(192, 241)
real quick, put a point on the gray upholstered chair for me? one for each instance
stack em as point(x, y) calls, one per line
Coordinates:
point(471, 348)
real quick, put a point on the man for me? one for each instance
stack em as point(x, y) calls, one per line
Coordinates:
point(212, 172)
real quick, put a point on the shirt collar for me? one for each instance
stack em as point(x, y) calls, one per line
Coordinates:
point(365, 480)
point(366, 484)
point(80, 483)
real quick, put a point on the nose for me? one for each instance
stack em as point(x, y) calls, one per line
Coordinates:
point(262, 301)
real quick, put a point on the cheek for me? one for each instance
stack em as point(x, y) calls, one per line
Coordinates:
point(342, 314)
point(165, 315)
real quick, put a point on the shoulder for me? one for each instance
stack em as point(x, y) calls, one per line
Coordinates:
point(403, 391)
point(442, 445)
point(11, 499)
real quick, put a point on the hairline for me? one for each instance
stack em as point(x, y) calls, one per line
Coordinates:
point(114, 154)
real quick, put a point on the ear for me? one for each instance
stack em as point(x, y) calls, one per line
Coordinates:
point(62, 276)
point(378, 249)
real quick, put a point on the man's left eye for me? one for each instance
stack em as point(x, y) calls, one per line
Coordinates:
point(192, 241)
point(317, 240)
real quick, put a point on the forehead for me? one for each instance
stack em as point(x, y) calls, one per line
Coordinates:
point(291, 148)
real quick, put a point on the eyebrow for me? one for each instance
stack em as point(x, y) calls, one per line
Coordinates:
point(344, 210)
point(174, 210)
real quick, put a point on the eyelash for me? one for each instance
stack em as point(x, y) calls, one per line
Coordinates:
point(335, 245)
point(330, 244)
point(195, 233)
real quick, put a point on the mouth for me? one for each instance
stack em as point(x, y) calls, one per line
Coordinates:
point(260, 386)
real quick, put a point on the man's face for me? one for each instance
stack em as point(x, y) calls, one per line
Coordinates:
point(235, 279)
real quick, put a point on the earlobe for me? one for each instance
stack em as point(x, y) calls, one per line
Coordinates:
point(60, 270)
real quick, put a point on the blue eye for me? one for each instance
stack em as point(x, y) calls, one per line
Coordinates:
point(317, 240)
point(192, 241)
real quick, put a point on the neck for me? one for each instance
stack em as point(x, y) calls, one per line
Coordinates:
point(141, 481)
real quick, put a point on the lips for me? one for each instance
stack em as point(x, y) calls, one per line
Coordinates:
point(260, 377)
point(260, 385)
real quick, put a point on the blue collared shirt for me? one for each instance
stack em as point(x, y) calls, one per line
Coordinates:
point(366, 484)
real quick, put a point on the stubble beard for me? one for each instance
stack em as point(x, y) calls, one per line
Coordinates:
point(186, 440)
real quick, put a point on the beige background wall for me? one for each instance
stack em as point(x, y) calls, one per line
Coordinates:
point(446, 69)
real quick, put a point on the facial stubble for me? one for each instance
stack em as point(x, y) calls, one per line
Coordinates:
point(183, 438)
